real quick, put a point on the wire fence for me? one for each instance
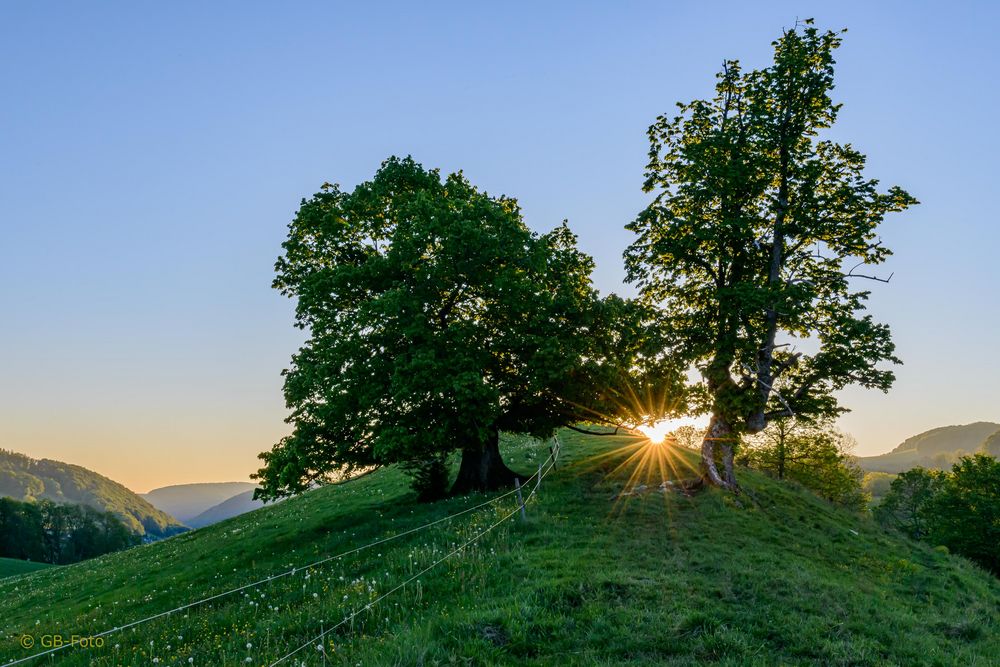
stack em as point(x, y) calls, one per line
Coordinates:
point(550, 461)
point(318, 639)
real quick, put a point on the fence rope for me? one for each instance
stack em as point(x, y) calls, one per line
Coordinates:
point(317, 563)
point(474, 538)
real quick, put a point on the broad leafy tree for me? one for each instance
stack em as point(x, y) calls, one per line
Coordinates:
point(907, 506)
point(436, 320)
point(965, 513)
point(758, 232)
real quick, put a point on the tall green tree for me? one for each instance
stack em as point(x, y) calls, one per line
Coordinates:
point(758, 230)
point(436, 320)
point(907, 506)
point(814, 454)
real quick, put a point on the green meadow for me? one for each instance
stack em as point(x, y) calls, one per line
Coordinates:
point(610, 567)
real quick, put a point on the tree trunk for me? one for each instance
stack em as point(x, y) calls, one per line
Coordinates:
point(482, 467)
point(728, 472)
point(781, 450)
point(711, 473)
point(719, 433)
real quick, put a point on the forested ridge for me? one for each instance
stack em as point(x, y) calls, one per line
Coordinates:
point(26, 479)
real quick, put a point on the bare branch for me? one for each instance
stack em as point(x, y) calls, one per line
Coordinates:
point(583, 430)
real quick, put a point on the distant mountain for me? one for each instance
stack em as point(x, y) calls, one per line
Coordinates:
point(26, 479)
point(239, 504)
point(992, 445)
point(187, 501)
point(937, 448)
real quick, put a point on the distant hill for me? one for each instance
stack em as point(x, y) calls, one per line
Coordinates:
point(187, 501)
point(936, 448)
point(227, 509)
point(26, 479)
point(992, 445)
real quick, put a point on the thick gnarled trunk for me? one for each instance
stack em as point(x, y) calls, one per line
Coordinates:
point(482, 467)
point(719, 437)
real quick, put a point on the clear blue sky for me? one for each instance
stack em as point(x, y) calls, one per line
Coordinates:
point(151, 155)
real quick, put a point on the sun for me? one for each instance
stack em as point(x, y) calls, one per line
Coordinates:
point(657, 432)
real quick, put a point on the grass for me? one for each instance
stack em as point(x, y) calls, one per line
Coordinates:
point(12, 566)
point(593, 577)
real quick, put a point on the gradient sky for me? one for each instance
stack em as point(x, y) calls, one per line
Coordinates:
point(152, 154)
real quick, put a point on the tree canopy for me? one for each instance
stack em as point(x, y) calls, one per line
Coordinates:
point(757, 232)
point(437, 319)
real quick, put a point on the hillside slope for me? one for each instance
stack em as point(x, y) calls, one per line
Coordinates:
point(593, 577)
point(227, 509)
point(27, 479)
point(936, 448)
point(186, 501)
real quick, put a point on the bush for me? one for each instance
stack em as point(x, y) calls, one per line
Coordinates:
point(429, 477)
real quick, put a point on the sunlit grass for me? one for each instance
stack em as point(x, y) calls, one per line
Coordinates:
point(587, 579)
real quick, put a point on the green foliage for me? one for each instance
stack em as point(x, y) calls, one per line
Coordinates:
point(813, 454)
point(965, 512)
point(652, 579)
point(59, 533)
point(907, 505)
point(430, 477)
point(436, 318)
point(877, 484)
point(757, 230)
point(959, 509)
point(27, 479)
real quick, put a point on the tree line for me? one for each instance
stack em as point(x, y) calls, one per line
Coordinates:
point(957, 509)
point(59, 533)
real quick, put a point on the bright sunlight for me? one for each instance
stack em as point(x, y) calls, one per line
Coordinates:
point(657, 432)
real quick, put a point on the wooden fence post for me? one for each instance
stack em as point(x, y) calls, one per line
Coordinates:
point(520, 500)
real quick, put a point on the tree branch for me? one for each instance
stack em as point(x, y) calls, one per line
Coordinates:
point(583, 430)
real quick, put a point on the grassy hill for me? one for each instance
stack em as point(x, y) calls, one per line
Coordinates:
point(594, 576)
point(26, 479)
point(12, 566)
point(937, 448)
